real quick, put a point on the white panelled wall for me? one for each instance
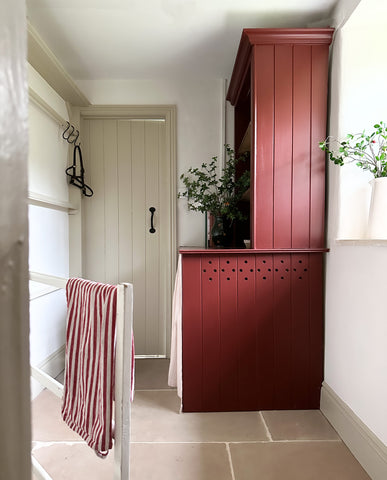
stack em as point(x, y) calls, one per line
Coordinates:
point(48, 229)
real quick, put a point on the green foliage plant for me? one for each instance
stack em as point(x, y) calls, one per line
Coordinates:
point(206, 192)
point(368, 151)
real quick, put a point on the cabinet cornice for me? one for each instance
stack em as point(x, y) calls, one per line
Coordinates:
point(270, 36)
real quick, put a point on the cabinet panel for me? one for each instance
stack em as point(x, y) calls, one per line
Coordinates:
point(192, 334)
point(301, 145)
point(282, 301)
point(301, 318)
point(263, 132)
point(266, 341)
point(318, 131)
point(283, 151)
point(229, 347)
point(210, 333)
point(246, 332)
point(252, 331)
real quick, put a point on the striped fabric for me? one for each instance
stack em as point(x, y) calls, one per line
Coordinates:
point(89, 369)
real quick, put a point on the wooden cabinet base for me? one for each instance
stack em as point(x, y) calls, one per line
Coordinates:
point(252, 331)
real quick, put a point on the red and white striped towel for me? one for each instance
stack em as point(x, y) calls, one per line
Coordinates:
point(89, 370)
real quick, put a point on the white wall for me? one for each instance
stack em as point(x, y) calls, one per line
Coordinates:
point(356, 280)
point(199, 104)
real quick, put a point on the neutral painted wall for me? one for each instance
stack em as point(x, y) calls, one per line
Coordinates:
point(200, 107)
point(356, 281)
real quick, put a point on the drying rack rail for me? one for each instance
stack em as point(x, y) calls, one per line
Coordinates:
point(123, 368)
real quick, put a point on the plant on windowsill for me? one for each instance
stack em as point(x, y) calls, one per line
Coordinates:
point(369, 152)
point(219, 196)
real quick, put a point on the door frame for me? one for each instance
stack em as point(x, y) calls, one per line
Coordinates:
point(167, 113)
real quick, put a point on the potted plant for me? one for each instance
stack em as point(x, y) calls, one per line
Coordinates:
point(219, 196)
point(369, 152)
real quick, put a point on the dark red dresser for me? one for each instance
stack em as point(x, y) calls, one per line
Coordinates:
point(253, 319)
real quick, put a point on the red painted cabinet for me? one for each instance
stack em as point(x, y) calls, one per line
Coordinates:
point(252, 330)
point(252, 319)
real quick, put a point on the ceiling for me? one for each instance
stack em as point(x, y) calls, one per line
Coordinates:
point(118, 39)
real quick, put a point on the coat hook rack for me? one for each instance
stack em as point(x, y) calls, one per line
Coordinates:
point(72, 135)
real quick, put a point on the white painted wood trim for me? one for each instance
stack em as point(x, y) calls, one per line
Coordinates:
point(75, 197)
point(365, 242)
point(52, 366)
point(49, 67)
point(133, 112)
point(39, 472)
point(139, 357)
point(48, 382)
point(48, 202)
point(37, 100)
point(171, 151)
point(123, 380)
point(48, 279)
point(46, 290)
point(363, 443)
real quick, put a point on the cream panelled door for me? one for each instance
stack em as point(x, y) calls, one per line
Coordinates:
point(127, 166)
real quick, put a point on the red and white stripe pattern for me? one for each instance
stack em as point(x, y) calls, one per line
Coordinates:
point(89, 369)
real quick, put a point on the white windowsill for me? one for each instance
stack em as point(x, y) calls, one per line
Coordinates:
point(372, 242)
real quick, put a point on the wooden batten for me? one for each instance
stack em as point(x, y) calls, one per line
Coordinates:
point(49, 67)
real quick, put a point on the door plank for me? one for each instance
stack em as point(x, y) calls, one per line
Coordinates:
point(111, 201)
point(152, 240)
point(125, 202)
point(139, 225)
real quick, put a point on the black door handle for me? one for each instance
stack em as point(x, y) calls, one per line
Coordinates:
point(152, 229)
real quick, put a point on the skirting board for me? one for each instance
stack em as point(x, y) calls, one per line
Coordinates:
point(53, 365)
point(370, 452)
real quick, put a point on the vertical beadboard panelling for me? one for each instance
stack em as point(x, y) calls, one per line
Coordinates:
point(263, 125)
point(211, 333)
point(125, 240)
point(152, 240)
point(229, 325)
point(282, 325)
point(316, 336)
point(192, 334)
point(139, 222)
point(301, 145)
point(247, 333)
point(95, 206)
point(85, 129)
point(301, 329)
point(283, 147)
point(165, 251)
point(265, 330)
point(318, 133)
point(252, 331)
point(111, 200)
